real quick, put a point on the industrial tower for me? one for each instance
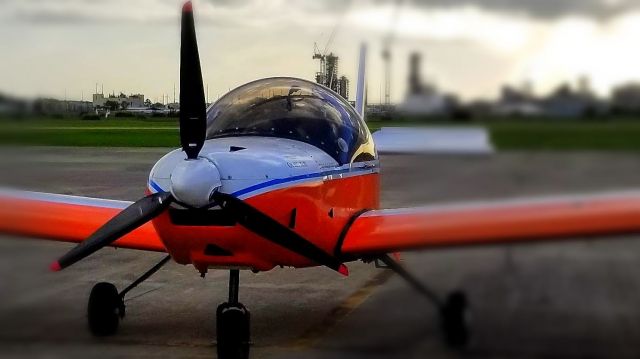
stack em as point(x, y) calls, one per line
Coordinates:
point(328, 73)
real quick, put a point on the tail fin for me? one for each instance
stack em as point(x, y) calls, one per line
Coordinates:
point(360, 89)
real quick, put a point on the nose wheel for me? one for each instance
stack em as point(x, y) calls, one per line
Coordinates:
point(233, 331)
point(233, 321)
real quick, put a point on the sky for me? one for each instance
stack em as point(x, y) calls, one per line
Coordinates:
point(468, 47)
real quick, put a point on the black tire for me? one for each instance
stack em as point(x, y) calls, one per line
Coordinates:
point(455, 320)
point(104, 310)
point(233, 331)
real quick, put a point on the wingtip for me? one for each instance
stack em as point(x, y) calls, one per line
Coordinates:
point(343, 270)
point(55, 267)
point(187, 7)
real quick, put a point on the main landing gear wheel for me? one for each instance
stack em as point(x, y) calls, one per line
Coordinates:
point(105, 309)
point(106, 305)
point(233, 331)
point(454, 316)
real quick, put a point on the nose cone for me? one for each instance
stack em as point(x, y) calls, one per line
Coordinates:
point(194, 181)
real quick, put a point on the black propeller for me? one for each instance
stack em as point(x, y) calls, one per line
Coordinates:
point(193, 122)
point(274, 231)
point(192, 137)
point(124, 222)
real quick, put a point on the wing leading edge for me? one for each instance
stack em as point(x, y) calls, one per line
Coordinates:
point(68, 218)
point(390, 230)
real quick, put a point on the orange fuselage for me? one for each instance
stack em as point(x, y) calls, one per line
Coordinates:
point(322, 210)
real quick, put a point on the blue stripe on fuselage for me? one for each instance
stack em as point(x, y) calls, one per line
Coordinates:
point(277, 181)
point(155, 186)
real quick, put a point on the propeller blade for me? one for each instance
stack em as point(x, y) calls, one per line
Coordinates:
point(274, 231)
point(193, 122)
point(124, 222)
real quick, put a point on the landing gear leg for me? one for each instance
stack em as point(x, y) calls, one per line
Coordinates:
point(453, 310)
point(106, 306)
point(233, 324)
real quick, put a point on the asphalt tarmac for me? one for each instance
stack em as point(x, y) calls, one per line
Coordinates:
point(571, 299)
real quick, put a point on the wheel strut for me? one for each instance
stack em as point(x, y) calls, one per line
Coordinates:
point(106, 306)
point(453, 310)
point(145, 276)
point(402, 272)
point(233, 323)
point(234, 286)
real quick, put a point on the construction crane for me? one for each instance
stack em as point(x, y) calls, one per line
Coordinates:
point(328, 71)
point(320, 75)
point(386, 52)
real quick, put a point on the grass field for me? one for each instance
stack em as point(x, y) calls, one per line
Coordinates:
point(611, 135)
point(601, 136)
point(126, 132)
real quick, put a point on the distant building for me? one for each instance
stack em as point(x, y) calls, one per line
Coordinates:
point(379, 110)
point(625, 99)
point(14, 106)
point(517, 102)
point(54, 106)
point(422, 98)
point(123, 101)
point(343, 87)
point(565, 102)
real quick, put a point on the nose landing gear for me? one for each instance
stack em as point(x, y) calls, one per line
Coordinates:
point(233, 324)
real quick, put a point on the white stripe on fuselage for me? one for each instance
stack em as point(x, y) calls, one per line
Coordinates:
point(272, 185)
point(264, 164)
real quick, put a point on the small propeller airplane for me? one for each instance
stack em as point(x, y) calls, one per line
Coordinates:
point(284, 172)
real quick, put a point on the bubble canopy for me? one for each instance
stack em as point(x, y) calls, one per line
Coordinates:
point(294, 109)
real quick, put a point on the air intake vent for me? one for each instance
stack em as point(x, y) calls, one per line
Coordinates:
point(213, 250)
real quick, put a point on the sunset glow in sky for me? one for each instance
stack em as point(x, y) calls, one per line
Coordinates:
point(470, 47)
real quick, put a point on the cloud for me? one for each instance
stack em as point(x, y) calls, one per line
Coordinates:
point(89, 11)
point(225, 13)
point(541, 9)
point(270, 12)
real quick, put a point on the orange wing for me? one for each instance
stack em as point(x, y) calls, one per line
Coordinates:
point(68, 218)
point(389, 230)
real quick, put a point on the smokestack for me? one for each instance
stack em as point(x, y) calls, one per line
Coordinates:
point(415, 83)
